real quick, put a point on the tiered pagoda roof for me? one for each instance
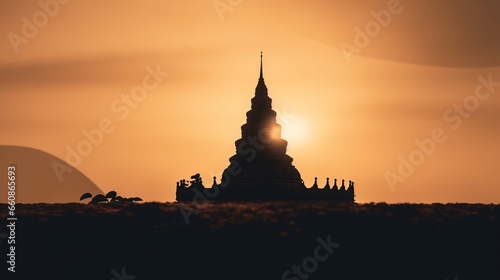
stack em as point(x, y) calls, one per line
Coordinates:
point(261, 169)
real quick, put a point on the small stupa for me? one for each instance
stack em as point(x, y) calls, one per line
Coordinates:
point(260, 169)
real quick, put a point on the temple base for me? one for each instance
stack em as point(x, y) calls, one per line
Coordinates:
point(198, 193)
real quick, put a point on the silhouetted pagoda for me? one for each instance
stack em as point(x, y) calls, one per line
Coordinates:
point(261, 169)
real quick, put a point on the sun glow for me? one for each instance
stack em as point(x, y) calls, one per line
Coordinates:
point(294, 130)
point(275, 133)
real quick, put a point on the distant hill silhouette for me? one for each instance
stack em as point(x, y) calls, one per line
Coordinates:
point(36, 179)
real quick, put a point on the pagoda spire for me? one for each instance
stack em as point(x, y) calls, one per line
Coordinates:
point(271, 167)
point(261, 75)
point(261, 89)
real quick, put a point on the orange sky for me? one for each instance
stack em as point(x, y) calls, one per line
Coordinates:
point(352, 118)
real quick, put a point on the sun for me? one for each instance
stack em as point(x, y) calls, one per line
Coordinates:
point(294, 131)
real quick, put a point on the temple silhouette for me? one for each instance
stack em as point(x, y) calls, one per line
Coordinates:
point(261, 169)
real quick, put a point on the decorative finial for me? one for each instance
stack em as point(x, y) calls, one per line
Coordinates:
point(261, 89)
point(327, 186)
point(342, 188)
point(315, 186)
point(261, 75)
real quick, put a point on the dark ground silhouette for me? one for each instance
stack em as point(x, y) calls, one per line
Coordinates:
point(256, 240)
